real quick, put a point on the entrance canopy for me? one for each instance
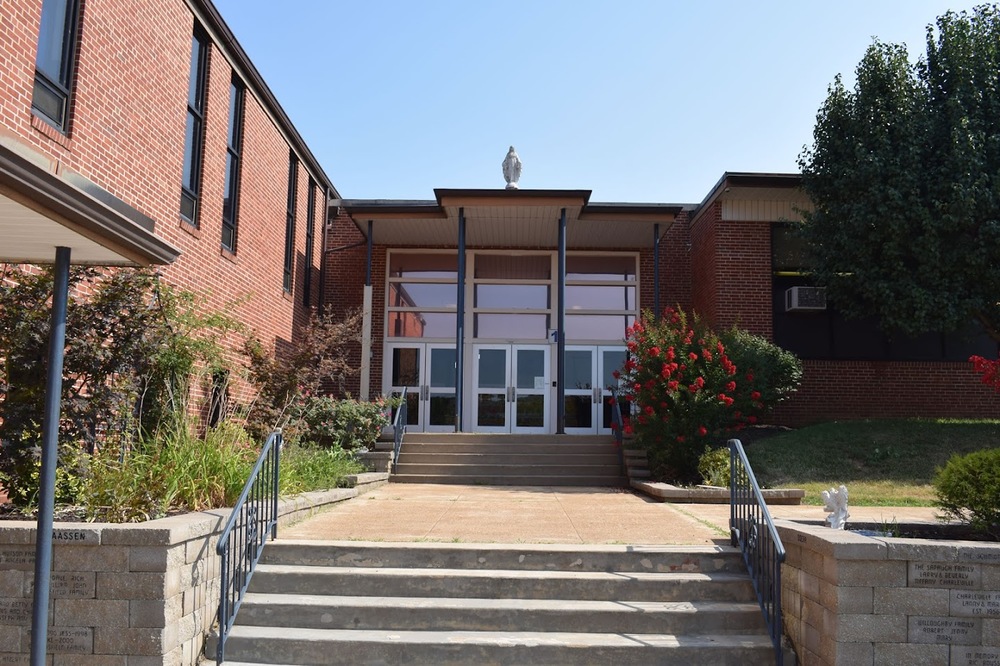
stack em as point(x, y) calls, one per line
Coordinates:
point(511, 218)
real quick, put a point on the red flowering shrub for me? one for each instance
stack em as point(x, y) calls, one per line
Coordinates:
point(990, 370)
point(688, 392)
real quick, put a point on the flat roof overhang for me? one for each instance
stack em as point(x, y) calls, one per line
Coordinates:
point(39, 211)
point(511, 218)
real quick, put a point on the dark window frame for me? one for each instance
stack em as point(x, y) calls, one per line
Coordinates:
point(56, 85)
point(310, 243)
point(194, 143)
point(293, 187)
point(234, 163)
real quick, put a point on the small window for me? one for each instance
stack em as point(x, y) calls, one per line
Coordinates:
point(293, 186)
point(54, 61)
point(194, 131)
point(234, 148)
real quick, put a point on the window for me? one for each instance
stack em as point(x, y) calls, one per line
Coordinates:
point(293, 186)
point(422, 295)
point(310, 241)
point(194, 127)
point(54, 61)
point(234, 147)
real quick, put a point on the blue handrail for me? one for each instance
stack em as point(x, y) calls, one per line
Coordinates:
point(254, 516)
point(398, 429)
point(616, 418)
point(752, 530)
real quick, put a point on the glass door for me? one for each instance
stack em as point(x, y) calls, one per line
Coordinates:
point(427, 371)
point(492, 395)
point(530, 372)
point(589, 380)
point(610, 359)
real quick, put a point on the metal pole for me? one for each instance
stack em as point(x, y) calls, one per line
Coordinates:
point(561, 330)
point(460, 325)
point(50, 452)
point(366, 321)
point(656, 271)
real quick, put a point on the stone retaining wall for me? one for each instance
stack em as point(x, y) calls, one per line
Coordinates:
point(853, 600)
point(127, 595)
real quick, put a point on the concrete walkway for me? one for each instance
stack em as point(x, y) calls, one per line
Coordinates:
point(496, 514)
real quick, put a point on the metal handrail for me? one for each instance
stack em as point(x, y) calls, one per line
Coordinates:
point(253, 517)
point(763, 552)
point(398, 429)
point(616, 418)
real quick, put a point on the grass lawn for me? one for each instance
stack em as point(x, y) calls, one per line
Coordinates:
point(886, 462)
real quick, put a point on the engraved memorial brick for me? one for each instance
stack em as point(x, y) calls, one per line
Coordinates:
point(975, 656)
point(968, 603)
point(945, 574)
point(956, 630)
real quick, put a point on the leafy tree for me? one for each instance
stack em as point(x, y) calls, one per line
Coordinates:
point(904, 175)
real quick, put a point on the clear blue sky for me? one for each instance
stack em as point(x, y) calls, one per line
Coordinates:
point(643, 101)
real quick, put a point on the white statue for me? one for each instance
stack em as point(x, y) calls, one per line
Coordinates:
point(835, 501)
point(512, 169)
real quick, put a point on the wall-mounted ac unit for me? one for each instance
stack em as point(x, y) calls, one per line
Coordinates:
point(804, 299)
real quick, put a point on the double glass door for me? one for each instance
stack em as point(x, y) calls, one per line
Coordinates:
point(511, 388)
point(427, 371)
point(589, 380)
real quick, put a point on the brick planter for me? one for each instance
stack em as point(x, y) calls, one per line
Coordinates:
point(127, 595)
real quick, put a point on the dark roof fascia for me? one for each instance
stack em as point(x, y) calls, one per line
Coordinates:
point(358, 208)
point(256, 81)
point(101, 222)
point(512, 194)
point(633, 208)
point(747, 179)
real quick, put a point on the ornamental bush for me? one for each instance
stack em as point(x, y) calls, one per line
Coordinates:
point(990, 370)
point(968, 490)
point(349, 424)
point(691, 388)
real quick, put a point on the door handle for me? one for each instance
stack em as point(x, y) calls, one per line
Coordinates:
point(596, 395)
point(510, 394)
point(425, 391)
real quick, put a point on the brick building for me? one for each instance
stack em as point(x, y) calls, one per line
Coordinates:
point(729, 258)
point(152, 112)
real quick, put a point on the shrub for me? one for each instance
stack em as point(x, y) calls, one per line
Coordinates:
point(349, 424)
point(714, 465)
point(968, 490)
point(305, 468)
point(689, 392)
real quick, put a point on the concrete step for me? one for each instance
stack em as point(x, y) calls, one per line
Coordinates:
point(503, 584)
point(315, 647)
point(544, 479)
point(465, 614)
point(479, 438)
point(565, 449)
point(525, 557)
point(418, 456)
point(511, 468)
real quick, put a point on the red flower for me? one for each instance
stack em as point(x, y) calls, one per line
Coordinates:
point(707, 354)
point(731, 386)
point(616, 374)
point(702, 430)
point(680, 438)
point(752, 419)
point(628, 428)
point(654, 351)
point(670, 353)
point(755, 395)
point(693, 356)
point(749, 376)
point(719, 347)
point(672, 385)
point(649, 409)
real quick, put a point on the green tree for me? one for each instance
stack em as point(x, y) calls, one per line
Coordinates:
point(904, 175)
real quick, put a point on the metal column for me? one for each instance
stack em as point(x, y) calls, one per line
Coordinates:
point(656, 271)
point(561, 330)
point(50, 452)
point(460, 326)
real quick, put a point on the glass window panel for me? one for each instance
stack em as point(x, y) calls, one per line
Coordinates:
point(533, 296)
point(578, 412)
point(788, 249)
point(611, 360)
point(442, 367)
point(49, 102)
point(513, 267)
point(194, 82)
point(405, 366)
point(422, 295)
point(491, 410)
point(512, 326)
point(235, 96)
point(530, 365)
point(442, 409)
point(594, 297)
point(607, 412)
point(579, 369)
point(530, 411)
point(191, 130)
point(51, 38)
point(597, 327)
point(492, 368)
point(421, 325)
point(187, 206)
point(407, 265)
point(598, 268)
point(412, 407)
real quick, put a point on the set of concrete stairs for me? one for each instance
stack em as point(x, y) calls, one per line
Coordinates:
point(509, 460)
point(313, 603)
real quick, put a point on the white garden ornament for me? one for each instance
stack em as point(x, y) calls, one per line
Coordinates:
point(835, 502)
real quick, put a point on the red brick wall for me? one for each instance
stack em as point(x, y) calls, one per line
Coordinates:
point(704, 262)
point(126, 133)
point(675, 261)
point(858, 389)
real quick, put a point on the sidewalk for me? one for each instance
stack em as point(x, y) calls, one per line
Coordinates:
point(522, 514)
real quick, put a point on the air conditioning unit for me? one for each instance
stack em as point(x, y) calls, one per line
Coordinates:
point(804, 299)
